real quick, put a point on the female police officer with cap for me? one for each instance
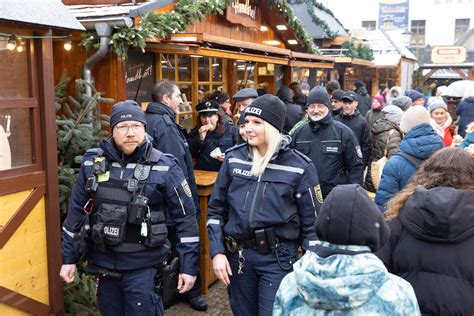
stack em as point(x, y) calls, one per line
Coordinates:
point(265, 197)
point(212, 133)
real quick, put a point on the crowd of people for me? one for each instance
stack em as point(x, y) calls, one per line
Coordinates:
point(326, 201)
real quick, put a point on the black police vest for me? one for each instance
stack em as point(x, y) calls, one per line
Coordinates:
point(122, 220)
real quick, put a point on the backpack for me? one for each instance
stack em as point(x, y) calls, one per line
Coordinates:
point(376, 167)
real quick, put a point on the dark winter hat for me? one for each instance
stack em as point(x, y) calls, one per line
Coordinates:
point(244, 94)
point(414, 95)
point(350, 96)
point(403, 102)
point(208, 106)
point(359, 83)
point(270, 109)
point(349, 217)
point(318, 95)
point(337, 95)
point(127, 110)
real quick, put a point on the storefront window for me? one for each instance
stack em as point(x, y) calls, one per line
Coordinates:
point(14, 65)
point(183, 63)
point(167, 66)
point(216, 66)
point(15, 139)
point(17, 105)
point(245, 74)
point(203, 69)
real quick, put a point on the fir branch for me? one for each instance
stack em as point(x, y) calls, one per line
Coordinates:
point(312, 5)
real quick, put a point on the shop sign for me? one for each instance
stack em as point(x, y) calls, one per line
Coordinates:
point(448, 54)
point(139, 76)
point(395, 11)
point(242, 12)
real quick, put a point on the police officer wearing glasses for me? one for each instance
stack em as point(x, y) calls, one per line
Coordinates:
point(125, 192)
point(265, 198)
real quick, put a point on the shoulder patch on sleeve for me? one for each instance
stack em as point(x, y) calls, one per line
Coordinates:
point(318, 194)
point(186, 188)
point(359, 151)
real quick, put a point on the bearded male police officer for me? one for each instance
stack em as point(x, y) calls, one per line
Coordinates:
point(331, 145)
point(125, 192)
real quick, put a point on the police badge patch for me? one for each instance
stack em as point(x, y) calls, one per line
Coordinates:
point(359, 152)
point(142, 172)
point(186, 188)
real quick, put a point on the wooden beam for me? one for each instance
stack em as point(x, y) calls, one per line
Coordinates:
point(245, 45)
point(307, 64)
point(312, 56)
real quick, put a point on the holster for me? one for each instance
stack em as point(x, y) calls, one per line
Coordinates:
point(166, 281)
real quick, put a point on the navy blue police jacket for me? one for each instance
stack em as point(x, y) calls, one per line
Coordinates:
point(286, 197)
point(169, 137)
point(166, 183)
point(201, 150)
point(334, 150)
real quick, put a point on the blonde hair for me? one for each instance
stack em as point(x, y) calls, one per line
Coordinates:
point(273, 139)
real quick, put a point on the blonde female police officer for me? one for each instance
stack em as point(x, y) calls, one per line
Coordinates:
point(266, 196)
point(125, 191)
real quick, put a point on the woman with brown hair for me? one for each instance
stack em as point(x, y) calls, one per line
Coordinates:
point(432, 234)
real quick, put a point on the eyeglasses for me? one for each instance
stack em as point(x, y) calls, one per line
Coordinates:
point(123, 129)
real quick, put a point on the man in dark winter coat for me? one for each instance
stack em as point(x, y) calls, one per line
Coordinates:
point(363, 97)
point(351, 117)
point(331, 145)
point(294, 113)
point(336, 102)
point(465, 110)
point(169, 137)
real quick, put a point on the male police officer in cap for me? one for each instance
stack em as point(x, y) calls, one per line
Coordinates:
point(124, 193)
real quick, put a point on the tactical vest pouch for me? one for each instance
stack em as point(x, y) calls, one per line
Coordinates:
point(114, 219)
point(137, 209)
point(157, 231)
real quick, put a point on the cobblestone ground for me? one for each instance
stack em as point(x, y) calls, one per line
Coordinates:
point(217, 299)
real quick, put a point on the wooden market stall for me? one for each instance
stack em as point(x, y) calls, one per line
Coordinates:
point(251, 44)
point(29, 218)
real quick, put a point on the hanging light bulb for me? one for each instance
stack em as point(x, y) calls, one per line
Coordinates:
point(20, 48)
point(68, 45)
point(11, 42)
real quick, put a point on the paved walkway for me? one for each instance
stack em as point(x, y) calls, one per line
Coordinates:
point(217, 300)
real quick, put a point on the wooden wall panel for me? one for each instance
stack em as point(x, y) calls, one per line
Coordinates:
point(108, 72)
point(24, 257)
point(11, 311)
point(9, 204)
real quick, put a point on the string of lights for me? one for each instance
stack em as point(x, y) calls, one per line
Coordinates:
point(15, 40)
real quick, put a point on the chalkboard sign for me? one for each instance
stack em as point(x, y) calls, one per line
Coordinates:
point(140, 76)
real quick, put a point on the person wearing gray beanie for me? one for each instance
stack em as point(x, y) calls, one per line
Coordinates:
point(403, 102)
point(393, 113)
point(442, 122)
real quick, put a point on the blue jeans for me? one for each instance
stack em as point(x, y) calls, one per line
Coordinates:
point(253, 292)
point(132, 294)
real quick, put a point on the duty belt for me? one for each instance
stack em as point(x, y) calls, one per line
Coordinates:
point(232, 244)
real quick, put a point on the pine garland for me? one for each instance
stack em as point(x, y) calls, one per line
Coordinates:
point(361, 51)
point(292, 20)
point(157, 26)
point(154, 26)
point(312, 5)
